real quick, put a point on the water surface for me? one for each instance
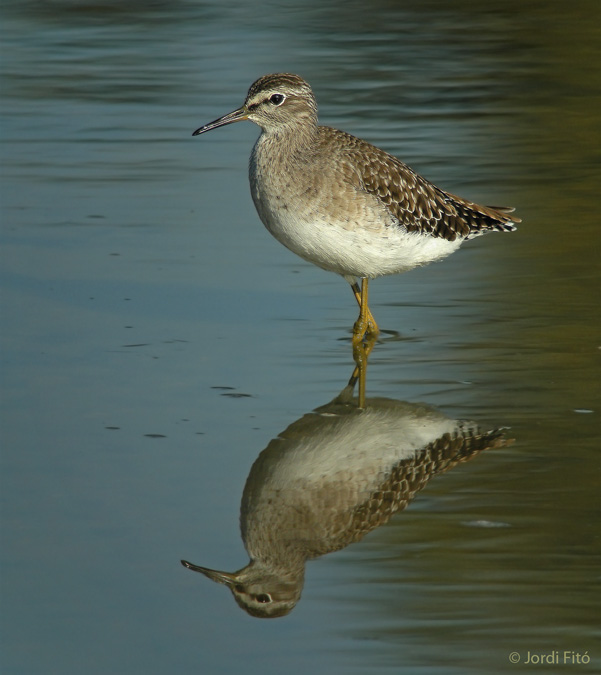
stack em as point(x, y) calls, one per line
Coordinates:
point(156, 339)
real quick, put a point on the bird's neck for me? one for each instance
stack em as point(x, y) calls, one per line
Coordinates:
point(294, 140)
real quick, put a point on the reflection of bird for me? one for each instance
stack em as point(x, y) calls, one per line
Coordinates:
point(330, 478)
point(343, 204)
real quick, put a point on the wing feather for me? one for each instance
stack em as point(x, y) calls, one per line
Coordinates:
point(417, 204)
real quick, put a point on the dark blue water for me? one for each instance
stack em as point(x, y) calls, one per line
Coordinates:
point(155, 338)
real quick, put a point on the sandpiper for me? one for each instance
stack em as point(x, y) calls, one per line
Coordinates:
point(342, 203)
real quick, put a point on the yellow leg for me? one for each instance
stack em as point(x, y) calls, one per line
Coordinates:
point(361, 352)
point(365, 332)
point(365, 324)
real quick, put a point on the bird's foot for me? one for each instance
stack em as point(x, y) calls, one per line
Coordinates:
point(365, 327)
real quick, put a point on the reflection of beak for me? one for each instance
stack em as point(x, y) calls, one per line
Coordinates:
point(220, 577)
point(235, 116)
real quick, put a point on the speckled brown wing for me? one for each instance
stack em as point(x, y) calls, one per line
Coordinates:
point(417, 204)
point(409, 476)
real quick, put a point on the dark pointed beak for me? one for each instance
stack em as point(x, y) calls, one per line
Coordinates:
point(220, 577)
point(235, 116)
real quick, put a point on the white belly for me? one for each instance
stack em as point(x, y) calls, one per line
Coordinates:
point(369, 247)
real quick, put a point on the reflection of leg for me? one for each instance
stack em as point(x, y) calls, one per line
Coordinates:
point(361, 351)
point(365, 324)
point(346, 395)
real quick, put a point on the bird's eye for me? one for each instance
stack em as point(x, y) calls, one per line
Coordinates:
point(263, 598)
point(277, 99)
